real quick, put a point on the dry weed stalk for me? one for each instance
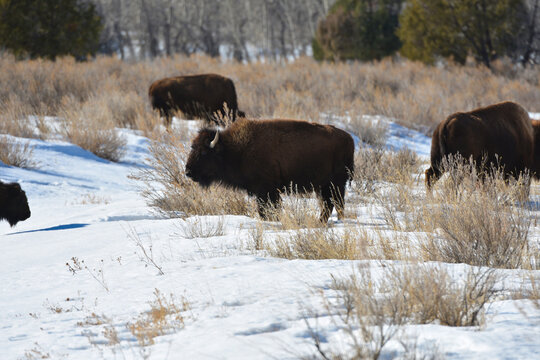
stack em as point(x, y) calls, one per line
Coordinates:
point(146, 254)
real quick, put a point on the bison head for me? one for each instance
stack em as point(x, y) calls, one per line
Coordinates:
point(205, 160)
point(14, 204)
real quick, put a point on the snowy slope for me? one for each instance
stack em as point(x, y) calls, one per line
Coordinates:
point(242, 306)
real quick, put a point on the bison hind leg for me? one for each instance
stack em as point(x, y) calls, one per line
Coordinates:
point(432, 175)
point(332, 195)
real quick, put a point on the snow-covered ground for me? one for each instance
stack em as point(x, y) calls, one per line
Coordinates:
point(241, 305)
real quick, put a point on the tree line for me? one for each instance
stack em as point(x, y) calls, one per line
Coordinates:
point(246, 30)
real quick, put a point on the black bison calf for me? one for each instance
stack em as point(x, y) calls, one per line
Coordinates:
point(13, 203)
point(497, 135)
point(206, 96)
point(269, 156)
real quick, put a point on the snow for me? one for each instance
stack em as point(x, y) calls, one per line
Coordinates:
point(243, 304)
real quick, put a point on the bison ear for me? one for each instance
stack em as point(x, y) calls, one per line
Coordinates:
point(214, 142)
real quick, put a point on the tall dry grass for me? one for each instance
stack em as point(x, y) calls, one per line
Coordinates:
point(416, 95)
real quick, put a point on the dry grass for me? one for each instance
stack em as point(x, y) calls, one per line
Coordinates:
point(417, 95)
point(173, 194)
point(166, 315)
point(202, 227)
point(15, 153)
point(319, 243)
point(373, 310)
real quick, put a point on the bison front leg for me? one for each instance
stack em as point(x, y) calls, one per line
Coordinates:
point(327, 202)
point(267, 204)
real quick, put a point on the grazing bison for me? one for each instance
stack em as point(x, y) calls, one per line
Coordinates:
point(269, 156)
point(500, 134)
point(206, 96)
point(13, 203)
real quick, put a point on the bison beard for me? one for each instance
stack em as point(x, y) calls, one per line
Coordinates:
point(13, 203)
point(207, 96)
point(267, 157)
point(497, 135)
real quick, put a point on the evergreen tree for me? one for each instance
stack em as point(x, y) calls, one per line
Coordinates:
point(486, 29)
point(49, 28)
point(358, 29)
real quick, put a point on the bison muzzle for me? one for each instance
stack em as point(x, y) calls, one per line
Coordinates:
point(267, 157)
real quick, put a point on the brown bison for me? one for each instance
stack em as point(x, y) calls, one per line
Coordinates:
point(269, 156)
point(206, 96)
point(13, 203)
point(500, 134)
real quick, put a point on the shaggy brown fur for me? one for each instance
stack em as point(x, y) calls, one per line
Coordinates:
point(205, 96)
point(13, 203)
point(499, 134)
point(267, 157)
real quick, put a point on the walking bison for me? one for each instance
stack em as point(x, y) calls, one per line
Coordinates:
point(206, 96)
point(13, 203)
point(497, 135)
point(267, 157)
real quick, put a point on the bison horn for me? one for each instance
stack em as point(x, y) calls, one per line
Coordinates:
point(214, 142)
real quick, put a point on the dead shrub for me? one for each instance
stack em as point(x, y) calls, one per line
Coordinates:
point(431, 294)
point(14, 153)
point(371, 131)
point(374, 166)
point(90, 126)
point(479, 220)
point(371, 308)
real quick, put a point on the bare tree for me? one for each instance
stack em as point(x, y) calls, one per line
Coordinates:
point(242, 29)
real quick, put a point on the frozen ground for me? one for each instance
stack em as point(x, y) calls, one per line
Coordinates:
point(242, 306)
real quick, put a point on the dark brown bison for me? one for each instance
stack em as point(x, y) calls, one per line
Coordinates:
point(206, 96)
point(13, 203)
point(500, 134)
point(269, 156)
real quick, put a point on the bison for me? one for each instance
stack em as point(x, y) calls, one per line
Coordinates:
point(206, 96)
point(266, 157)
point(13, 203)
point(497, 135)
